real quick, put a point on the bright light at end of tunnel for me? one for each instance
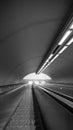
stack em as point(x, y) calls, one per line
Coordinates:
point(34, 76)
point(30, 82)
point(43, 82)
point(36, 79)
point(36, 82)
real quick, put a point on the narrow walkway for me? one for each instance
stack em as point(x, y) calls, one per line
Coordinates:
point(23, 118)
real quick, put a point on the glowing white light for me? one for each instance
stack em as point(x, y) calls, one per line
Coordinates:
point(36, 82)
point(43, 82)
point(63, 49)
point(34, 76)
point(50, 56)
point(46, 66)
point(30, 82)
point(54, 58)
point(43, 65)
point(71, 27)
point(49, 62)
point(46, 62)
point(71, 41)
point(65, 37)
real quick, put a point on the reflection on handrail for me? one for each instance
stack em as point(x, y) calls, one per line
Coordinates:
point(66, 101)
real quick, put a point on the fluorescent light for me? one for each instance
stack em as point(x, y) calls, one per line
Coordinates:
point(49, 63)
point(71, 27)
point(71, 40)
point(64, 48)
point(51, 60)
point(47, 60)
point(36, 82)
point(43, 65)
point(50, 56)
point(54, 58)
point(46, 66)
point(64, 37)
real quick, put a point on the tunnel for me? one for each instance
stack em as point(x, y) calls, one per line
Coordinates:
point(36, 65)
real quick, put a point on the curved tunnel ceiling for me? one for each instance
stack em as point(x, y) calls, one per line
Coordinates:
point(27, 30)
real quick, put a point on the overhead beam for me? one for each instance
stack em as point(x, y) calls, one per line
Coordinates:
point(63, 41)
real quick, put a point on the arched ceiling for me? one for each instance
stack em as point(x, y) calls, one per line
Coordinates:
point(27, 30)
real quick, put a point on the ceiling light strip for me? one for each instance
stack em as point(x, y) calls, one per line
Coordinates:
point(46, 66)
point(66, 35)
point(71, 26)
point(70, 42)
point(49, 62)
point(51, 55)
point(63, 49)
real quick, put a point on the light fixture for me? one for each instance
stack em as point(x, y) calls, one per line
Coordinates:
point(46, 62)
point(46, 66)
point(60, 46)
point(43, 82)
point(54, 58)
point(64, 37)
point(71, 41)
point(49, 63)
point(63, 49)
point(71, 26)
point(30, 82)
point(50, 56)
